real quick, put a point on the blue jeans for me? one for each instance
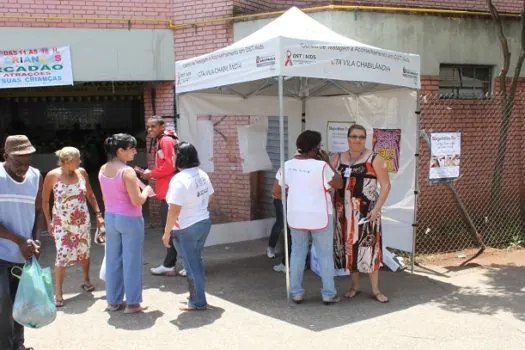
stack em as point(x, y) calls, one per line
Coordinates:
point(323, 241)
point(189, 243)
point(124, 258)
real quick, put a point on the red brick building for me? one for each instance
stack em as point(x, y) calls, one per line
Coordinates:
point(454, 38)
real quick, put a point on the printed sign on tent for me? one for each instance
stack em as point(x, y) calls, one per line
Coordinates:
point(445, 154)
point(337, 137)
point(48, 66)
point(386, 143)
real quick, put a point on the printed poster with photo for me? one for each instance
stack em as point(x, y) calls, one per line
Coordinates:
point(337, 140)
point(386, 143)
point(445, 154)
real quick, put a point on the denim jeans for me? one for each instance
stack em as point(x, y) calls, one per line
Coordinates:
point(11, 332)
point(323, 242)
point(124, 258)
point(171, 253)
point(190, 243)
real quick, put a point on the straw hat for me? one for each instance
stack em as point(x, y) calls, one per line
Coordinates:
point(18, 145)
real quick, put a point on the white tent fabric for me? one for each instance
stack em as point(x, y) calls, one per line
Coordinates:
point(296, 45)
point(305, 64)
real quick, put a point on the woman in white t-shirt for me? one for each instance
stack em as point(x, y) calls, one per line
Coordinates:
point(188, 223)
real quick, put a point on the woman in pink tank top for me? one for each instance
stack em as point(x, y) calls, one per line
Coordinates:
point(123, 200)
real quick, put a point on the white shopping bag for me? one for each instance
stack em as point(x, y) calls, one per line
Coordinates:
point(102, 274)
point(314, 265)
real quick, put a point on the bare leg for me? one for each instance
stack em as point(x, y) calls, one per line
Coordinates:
point(374, 281)
point(87, 286)
point(354, 289)
point(60, 274)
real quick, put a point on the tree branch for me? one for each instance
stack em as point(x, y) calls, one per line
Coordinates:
point(504, 45)
point(521, 58)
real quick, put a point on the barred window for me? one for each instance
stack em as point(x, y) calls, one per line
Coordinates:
point(465, 81)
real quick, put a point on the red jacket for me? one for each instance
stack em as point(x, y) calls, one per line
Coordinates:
point(164, 167)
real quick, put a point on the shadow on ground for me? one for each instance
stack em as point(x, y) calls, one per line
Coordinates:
point(241, 274)
point(502, 290)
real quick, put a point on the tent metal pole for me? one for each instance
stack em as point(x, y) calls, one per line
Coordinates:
point(262, 88)
point(283, 187)
point(416, 181)
point(340, 87)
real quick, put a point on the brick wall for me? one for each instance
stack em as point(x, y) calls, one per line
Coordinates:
point(67, 10)
point(509, 6)
point(232, 187)
point(479, 123)
point(197, 40)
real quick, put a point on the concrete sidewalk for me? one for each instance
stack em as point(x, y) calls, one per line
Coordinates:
point(477, 308)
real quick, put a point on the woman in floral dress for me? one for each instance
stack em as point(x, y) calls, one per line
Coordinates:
point(358, 236)
point(70, 224)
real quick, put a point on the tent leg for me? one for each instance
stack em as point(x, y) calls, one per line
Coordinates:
point(416, 184)
point(283, 191)
point(303, 114)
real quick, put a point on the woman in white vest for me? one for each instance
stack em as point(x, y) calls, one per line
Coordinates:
point(308, 177)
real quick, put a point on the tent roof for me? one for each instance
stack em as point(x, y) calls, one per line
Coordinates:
point(296, 45)
point(295, 24)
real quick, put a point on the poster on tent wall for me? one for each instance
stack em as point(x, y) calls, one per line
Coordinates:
point(252, 145)
point(387, 143)
point(337, 140)
point(32, 67)
point(445, 154)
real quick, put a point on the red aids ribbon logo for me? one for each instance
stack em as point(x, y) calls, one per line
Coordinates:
point(288, 61)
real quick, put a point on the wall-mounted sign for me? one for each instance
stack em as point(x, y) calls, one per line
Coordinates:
point(48, 66)
point(445, 154)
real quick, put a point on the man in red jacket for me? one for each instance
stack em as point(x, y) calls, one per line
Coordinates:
point(164, 148)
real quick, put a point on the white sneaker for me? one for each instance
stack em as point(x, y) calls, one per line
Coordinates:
point(279, 268)
point(270, 252)
point(183, 273)
point(163, 271)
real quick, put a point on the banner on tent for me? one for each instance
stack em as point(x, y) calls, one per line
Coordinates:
point(445, 154)
point(387, 143)
point(351, 63)
point(227, 66)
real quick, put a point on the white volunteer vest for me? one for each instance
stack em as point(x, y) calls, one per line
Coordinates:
point(307, 201)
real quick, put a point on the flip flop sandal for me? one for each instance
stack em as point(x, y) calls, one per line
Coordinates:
point(191, 308)
point(113, 308)
point(59, 302)
point(376, 298)
point(135, 310)
point(87, 288)
point(352, 293)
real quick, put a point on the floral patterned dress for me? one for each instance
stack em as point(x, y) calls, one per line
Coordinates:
point(71, 223)
point(364, 242)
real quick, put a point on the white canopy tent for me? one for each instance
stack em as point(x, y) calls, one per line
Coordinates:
point(318, 76)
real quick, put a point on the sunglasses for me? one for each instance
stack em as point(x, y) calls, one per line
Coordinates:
point(356, 137)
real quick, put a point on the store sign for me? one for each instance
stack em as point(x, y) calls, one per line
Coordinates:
point(49, 66)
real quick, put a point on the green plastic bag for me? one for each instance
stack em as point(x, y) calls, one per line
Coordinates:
point(34, 306)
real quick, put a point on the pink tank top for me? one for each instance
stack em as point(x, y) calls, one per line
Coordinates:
point(116, 197)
